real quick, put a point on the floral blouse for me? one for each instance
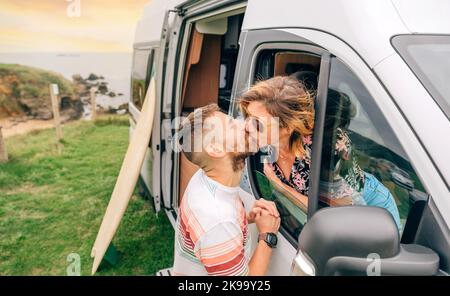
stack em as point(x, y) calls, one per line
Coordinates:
point(300, 172)
point(353, 173)
point(299, 177)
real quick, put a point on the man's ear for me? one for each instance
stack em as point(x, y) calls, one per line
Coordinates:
point(215, 151)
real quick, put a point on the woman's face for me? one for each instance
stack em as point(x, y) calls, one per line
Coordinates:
point(268, 125)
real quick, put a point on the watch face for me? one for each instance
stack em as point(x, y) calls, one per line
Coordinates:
point(272, 239)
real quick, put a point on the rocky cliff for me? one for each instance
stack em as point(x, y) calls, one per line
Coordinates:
point(24, 92)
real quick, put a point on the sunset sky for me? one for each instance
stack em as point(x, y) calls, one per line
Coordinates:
point(44, 25)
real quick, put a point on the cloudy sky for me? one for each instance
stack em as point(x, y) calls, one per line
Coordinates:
point(46, 25)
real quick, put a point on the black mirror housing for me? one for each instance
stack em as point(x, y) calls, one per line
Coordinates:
point(343, 241)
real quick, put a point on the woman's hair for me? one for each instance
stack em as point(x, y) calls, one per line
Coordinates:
point(339, 112)
point(287, 99)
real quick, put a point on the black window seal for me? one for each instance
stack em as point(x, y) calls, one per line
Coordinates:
point(319, 122)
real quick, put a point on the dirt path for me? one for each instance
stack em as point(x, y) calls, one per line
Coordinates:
point(11, 128)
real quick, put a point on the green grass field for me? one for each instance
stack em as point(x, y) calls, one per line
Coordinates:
point(52, 205)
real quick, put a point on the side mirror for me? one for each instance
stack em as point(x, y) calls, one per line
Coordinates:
point(359, 240)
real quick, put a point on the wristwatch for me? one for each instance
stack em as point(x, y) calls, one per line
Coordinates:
point(270, 238)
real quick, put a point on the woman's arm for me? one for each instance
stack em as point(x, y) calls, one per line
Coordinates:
point(295, 197)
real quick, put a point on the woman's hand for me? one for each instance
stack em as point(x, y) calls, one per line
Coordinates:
point(297, 198)
point(269, 173)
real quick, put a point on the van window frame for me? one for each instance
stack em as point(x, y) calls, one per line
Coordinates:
point(313, 194)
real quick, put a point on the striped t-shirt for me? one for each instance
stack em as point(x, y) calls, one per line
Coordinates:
point(211, 236)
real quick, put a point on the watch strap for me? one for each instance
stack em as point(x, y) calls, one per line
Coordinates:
point(263, 236)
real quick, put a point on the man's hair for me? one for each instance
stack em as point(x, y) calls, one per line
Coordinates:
point(188, 139)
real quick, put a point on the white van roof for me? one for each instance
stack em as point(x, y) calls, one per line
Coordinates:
point(149, 27)
point(366, 25)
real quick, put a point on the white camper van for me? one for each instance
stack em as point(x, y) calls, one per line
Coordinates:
point(391, 58)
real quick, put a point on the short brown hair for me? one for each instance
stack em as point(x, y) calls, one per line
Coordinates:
point(287, 99)
point(195, 120)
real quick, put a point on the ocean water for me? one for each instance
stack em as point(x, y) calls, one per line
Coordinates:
point(114, 67)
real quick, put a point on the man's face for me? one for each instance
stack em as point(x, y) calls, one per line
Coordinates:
point(225, 136)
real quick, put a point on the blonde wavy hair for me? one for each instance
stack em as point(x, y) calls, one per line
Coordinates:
point(288, 99)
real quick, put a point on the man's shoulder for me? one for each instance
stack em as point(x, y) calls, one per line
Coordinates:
point(198, 199)
point(197, 191)
point(201, 205)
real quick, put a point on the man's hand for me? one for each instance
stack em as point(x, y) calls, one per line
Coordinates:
point(266, 222)
point(259, 263)
point(258, 206)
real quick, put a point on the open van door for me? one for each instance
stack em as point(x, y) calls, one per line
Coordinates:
point(158, 139)
point(168, 45)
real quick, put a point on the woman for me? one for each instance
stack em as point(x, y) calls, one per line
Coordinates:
point(286, 99)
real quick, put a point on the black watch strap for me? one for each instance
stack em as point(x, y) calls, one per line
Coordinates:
point(269, 238)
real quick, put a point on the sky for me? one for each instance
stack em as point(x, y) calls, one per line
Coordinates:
point(68, 25)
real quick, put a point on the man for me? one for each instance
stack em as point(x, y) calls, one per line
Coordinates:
point(211, 235)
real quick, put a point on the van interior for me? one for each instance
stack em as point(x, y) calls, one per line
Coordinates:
point(209, 71)
point(303, 66)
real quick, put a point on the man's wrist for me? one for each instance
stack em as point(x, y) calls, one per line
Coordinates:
point(269, 238)
point(265, 245)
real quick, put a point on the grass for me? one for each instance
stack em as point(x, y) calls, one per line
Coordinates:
point(52, 205)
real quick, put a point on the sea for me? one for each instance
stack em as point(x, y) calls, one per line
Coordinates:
point(114, 67)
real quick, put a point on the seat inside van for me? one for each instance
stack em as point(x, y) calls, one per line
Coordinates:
point(304, 67)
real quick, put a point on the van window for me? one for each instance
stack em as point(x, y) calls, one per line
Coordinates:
point(362, 161)
point(305, 67)
point(140, 77)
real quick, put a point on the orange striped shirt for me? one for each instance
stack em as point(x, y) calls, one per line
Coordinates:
point(211, 236)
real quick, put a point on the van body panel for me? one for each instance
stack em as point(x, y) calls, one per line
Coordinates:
point(425, 17)
point(361, 39)
point(429, 124)
point(356, 19)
